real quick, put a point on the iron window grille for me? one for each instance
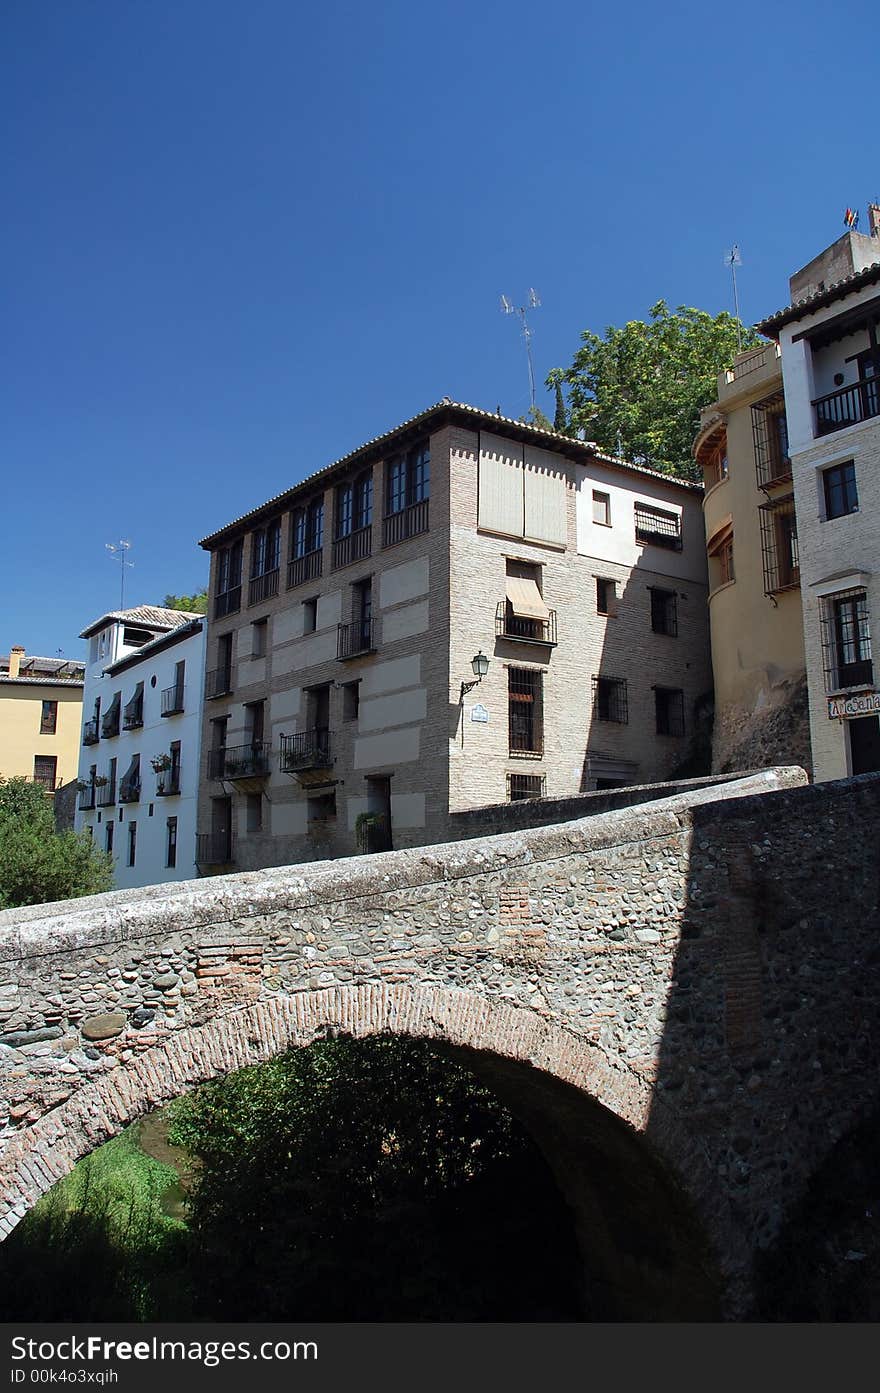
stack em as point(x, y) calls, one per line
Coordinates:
point(525, 712)
point(521, 786)
point(770, 436)
point(779, 545)
point(846, 640)
point(664, 612)
point(657, 527)
point(610, 700)
point(669, 710)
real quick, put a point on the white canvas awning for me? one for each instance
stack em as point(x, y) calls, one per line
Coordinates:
point(525, 598)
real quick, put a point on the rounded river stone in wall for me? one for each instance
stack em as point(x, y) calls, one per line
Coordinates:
point(103, 1027)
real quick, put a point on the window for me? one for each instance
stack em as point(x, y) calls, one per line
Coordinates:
point(720, 549)
point(49, 718)
point(357, 637)
point(173, 785)
point(770, 435)
point(218, 682)
point(135, 638)
point(846, 640)
point(111, 717)
point(133, 711)
point(228, 596)
point(132, 842)
point(171, 841)
point(779, 545)
point(657, 527)
point(130, 786)
point(351, 700)
point(321, 808)
point(407, 489)
point(525, 786)
point(523, 614)
point(716, 467)
point(45, 771)
point(255, 719)
point(306, 542)
point(839, 486)
point(172, 697)
point(602, 508)
point(354, 505)
point(254, 812)
point(606, 596)
point(664, 611)
point(265, 561)
point(259, 638)
point(525, 711)
point(610, 700)
point(108, 837)
point(310, 615)
point(669, 710)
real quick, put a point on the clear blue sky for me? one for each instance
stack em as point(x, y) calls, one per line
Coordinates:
point(242, 238)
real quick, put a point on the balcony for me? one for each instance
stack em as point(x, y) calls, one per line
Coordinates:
point(106, 795)
point(353, 640)
point(110, 722)
point(130, 791)
point(227, 602)
point(214, 849)
point(90, 732)
point(355, 547)
point(519, 629)
point(167, 785)
point(263, 587)
point(846, 407)
point(172, 701)
point(308, 750)
point(218, 683)
point(303, 568)
point(409, 522)
point(133, 715)
point(239, 761)
point(87, 798)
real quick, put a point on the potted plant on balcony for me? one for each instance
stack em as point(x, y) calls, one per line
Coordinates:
point(161, 764)
point(101, 781)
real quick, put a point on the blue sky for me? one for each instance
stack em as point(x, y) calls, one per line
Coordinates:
point(242, 238)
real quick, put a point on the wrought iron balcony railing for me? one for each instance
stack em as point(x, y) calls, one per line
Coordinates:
point(172, 701)
point(846, 407)
point(106, 795)
point(130, 792)
point(87, 798)
point(218, 682)
point(355, 639)
point(214, 849)
point(310, 749)
point(167, 784)
point(90, 732)
point(520, 629)
point(110, 723)
point(133, 715)
point(239, 761)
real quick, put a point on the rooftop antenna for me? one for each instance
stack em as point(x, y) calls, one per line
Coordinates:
point(733, 259)
point(534, 304)
point(117, 551)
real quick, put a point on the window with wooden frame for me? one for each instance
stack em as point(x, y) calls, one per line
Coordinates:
point(49, 718)
point(846, 640)
point(525, 712)
point(227, 597)
point(601, 508)
point(720, 552)
point(840, 494)
point(606, 596)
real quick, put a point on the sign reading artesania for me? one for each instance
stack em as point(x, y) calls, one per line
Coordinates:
point(845, 708)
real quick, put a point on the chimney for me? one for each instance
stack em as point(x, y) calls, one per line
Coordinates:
point(874, 219)
point(16, 653)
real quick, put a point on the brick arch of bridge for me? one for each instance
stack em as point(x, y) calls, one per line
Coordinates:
point(646, 1253)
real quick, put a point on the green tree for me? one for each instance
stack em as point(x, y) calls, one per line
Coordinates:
point(37, 863)
point(640, 389)
point(195, 604)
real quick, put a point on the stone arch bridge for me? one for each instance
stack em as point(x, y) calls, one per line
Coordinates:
point(678, 999)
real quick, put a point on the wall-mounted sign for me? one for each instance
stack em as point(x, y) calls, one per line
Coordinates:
point(846, 708)
point(479, 713)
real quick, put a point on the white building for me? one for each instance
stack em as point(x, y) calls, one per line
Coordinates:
point(139, 763)
point(831, 370)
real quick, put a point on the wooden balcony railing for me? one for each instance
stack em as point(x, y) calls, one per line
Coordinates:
point(218, 682)
point(846, 407)
point(263, 587)
point(214, 849)
point(409, 522)
point(303, 568)
point(354, 547)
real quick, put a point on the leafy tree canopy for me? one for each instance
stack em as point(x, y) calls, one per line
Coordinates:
point(639, 390)
point(37, 863)
point(195, 604)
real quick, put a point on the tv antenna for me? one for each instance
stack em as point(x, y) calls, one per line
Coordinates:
point(534, 304)
point(733, 259)
point(117, 551)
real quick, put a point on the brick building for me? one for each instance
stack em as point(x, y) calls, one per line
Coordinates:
point(346, 615)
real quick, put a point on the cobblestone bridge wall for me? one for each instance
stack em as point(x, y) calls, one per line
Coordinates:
point(701, 970)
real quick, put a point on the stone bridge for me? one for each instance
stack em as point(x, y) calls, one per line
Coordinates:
point(679, 1000)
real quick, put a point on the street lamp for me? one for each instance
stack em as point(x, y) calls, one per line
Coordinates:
point(480, 666)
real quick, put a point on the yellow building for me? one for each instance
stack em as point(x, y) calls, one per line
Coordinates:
point(754, 573)
point(40, 718)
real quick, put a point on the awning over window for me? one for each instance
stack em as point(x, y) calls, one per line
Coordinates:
point(525, 598)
